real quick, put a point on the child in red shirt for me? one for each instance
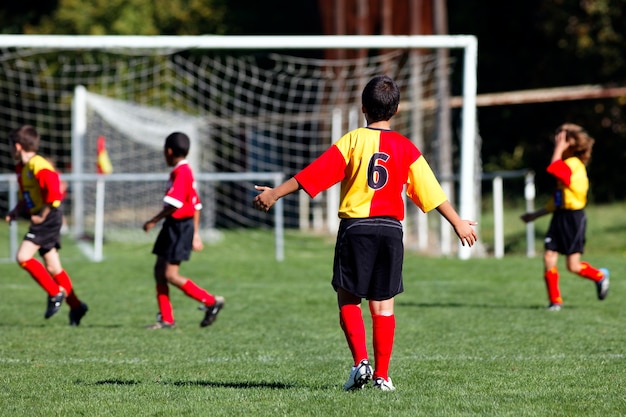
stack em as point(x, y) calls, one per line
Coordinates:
point(179, 236)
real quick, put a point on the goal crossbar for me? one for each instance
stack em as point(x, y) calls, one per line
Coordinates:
point(239, 42)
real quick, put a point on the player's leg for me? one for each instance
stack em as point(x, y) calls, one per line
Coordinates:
point(351, 322)
point(78, 309)
point(384, 326)
point(385, 284)
point(577, 222)
point(211, 304)
point(165, 318)
point(551, 278)
point(600, 276)
point(180, 247)
point(353, 326)
point(25, 258)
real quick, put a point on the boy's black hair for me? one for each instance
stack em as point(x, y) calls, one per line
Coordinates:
point(179, 143)
point(27, 136)
point(380, 98)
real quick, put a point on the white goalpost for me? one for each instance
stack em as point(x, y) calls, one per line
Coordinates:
point(257, 108)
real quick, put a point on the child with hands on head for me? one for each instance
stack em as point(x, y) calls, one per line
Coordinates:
point(566, 233)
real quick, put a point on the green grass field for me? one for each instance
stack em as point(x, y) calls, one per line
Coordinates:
point(473, 338)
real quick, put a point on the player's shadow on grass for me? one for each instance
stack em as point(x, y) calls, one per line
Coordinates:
point(111, 382)
point(508, 306)
point(47, 324)
point(238, 385)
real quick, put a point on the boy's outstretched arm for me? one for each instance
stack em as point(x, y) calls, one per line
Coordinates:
point(269, 195)
point(463, 228)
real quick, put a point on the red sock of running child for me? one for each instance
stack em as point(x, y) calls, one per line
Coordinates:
point(41, 275)
point(165, 306)
point(589, 272)
point(64, 281)
point(551, 277)
point(351, 321)
point(384, 330)
point(192, 290)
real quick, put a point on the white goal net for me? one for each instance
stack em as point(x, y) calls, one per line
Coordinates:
point(250, 105)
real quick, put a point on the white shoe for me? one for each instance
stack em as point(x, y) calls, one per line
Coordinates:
point(359, 375)
point(603, 285)
point(383, 385)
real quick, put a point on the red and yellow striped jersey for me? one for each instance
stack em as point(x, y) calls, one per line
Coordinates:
point(373, 166)
point(572, 184)
point(39, 184)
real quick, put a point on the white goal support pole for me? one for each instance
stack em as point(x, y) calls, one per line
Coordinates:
point(468, 43)
point(79, 132)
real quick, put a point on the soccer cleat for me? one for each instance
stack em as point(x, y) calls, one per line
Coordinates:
point(211, 311)
point(602, 286)
point(78, 313)
point(160, 324)
point(54, 304)
point(554, 307)
point(359, 375)
point(381, 384)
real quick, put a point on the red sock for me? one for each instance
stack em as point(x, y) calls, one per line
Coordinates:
point(351, 321)
point(551, 277)
point(192, 290)
point(165, 306)
point(64, 281)
point(41, 275)
point(384, 330)
point(589, 272)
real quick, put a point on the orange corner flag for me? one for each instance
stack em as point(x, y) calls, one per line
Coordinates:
point(104, 163)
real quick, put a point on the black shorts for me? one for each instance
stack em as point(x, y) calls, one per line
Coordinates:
point(175, 240)
point(47, 235)
point(368, 258)
point(566, 234)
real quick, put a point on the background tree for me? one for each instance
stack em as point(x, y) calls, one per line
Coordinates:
point(131, 17)
point(549, 43)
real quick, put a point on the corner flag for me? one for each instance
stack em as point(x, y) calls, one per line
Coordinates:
point(104, 163)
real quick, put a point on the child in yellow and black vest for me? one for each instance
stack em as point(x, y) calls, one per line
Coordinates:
point(40, 200)
point(566, 233)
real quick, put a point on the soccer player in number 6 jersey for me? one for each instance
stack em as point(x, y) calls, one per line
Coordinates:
point(373, 164)
point(40, 200)
point(179, 235)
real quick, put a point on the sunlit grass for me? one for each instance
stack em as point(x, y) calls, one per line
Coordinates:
point(472, 337)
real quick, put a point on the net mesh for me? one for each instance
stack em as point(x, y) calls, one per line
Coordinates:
point(256, 112)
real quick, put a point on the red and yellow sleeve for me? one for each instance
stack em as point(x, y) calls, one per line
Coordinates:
point(324, 172)
point(48, 181)
point(561, 171)
point(50, 187)
point(423, 188)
